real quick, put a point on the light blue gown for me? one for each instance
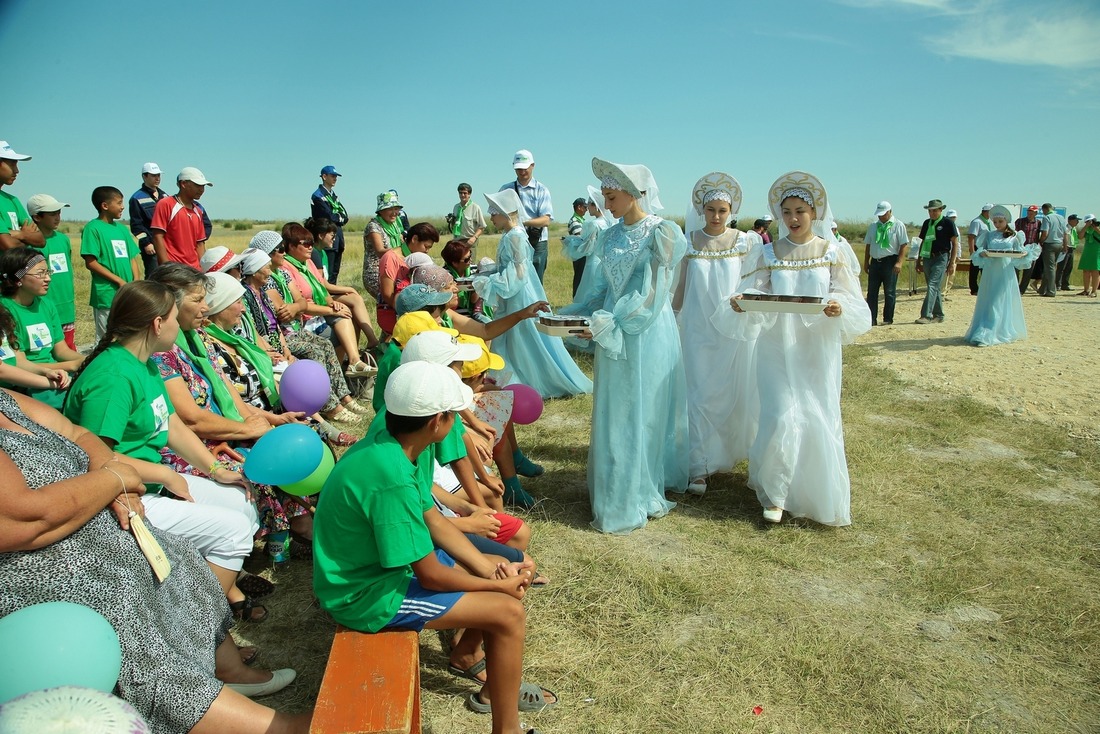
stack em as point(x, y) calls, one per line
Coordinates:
point(533, 358)
point(998, 310)
point(574, 248)
point(638, 447)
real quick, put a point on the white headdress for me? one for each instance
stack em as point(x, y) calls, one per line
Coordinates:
point(503, 202)
point(634, 179)
point(807, 187)
point(715, 185)
point(596, 197)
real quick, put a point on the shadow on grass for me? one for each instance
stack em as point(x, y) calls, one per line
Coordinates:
point(915, 345)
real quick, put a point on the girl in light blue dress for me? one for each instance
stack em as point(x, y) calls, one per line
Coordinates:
point(998, 311)
point(535, 359)
point(638, 447)
point(584, 245)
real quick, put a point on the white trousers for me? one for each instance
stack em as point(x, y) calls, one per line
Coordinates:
point(220, 522)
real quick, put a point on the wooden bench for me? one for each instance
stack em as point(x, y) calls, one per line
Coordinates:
point(371, 685)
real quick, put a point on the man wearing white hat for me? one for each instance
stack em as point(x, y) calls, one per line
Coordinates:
point(45, 211)
point(16, 227)
point(887, 243)
point(536, 209)
point(178, 231)
point(978, 224)
point(142, 204)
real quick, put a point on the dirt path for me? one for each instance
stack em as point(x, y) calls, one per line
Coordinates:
point(1049, 376)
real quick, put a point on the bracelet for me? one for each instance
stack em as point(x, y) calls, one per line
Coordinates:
point(218, 464)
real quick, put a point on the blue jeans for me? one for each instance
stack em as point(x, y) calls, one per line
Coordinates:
point(880, 274)
point(934, 269)
point(542, 250)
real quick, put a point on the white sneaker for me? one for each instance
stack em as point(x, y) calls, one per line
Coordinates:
point(773, 514)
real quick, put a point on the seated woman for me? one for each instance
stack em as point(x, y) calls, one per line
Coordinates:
point(393, 270)
point(257, 270)
point(245, 357)
point(24, 280)
point(382, 233)
point(457, 255)
point(118, 395)
point(16, 371)
point(207, 403)
point(293, 296)
point(300, 244)
point(63, 515)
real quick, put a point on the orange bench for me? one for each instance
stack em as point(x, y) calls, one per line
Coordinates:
point(371, 685)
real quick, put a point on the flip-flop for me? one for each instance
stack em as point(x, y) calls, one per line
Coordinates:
point(540, 580)
point(531, 698)
point(470, 672)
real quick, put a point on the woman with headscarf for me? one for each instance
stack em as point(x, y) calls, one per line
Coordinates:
point(721, 408)
point(383, 232)
point(639, 418)
point(797, 462)
point(536, 359)
point(584, 246)
point(998, 310)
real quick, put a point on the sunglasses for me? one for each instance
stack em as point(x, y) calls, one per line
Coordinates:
point(281, 249)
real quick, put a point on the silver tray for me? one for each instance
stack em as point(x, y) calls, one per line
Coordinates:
point(780, 306)
point(1004, 253)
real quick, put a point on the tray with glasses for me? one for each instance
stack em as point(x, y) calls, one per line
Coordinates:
point(764, 302)
point(465, 284)
point(1012, 254)
point(553, 325)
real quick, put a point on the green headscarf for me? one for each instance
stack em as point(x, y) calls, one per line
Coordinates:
point(320, 293)
point(249, 352)
point(394, 233)
point(190, 343)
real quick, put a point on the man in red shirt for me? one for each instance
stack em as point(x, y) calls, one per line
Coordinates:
point(177, 226)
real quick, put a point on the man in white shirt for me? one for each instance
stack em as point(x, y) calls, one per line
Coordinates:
point(536, 209)
point(887, 243)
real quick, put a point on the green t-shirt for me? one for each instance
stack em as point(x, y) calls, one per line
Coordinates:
point(391, 360)
point(7, 352)
point(368, 531)
point(58, 253)
point(451, 448)
point(114, 247)
point(37, 328)
point(121, 398)
point(12, 213)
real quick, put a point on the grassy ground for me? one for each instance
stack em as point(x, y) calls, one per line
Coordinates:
point(962, 599)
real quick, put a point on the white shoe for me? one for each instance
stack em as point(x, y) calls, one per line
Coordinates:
point(697, 486)
point(280, 679)
point(773, 514)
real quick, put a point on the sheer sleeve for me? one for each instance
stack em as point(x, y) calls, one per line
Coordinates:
point(514, 262)
point(636, 310)
point(574, 247)
point(845, 289)
point(597, 293)
point(755, 278)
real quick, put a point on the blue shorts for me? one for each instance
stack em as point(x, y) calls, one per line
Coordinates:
point(423, 605)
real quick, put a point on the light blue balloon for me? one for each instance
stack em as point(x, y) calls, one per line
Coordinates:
point(284, 455)
point(57, 644)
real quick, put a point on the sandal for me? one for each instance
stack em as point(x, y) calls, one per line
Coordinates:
point(301, 548)
point(244, 610)
point(697, 486)
point(356, 407)
point(531, 698)
point(256, 587)
point(249, 654)
point(540, 580)
point(343, 415)
point(470, 672)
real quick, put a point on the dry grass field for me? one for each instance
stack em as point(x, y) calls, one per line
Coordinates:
point(964, 598)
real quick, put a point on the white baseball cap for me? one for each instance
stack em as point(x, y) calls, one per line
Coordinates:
point(767, 218)
point(987, 207)
point(152, 168)
point(7, 153)
point(523, 159)
point(422, 389)
point(951, 213)
point(882, 208)
point(438, 347)
point(218, 259)
point(194, 175)
point(43, 203)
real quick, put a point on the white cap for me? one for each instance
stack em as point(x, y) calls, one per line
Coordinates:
point(1089, 218)
point(418, 259)
point(194, 175)
point(882, 208)
point(987, 207)
point(222, 291)
point(8, 154)
point(438, 347)
point(422, 389)
point(523, 159)
point(152, 168)
point(219, 259)
point(767, 218)
point(265, 240)
point(43, 203)
point(951, 213)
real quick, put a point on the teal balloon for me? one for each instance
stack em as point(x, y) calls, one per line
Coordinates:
point(313, 483)
point(57, 644)
point(284, 455)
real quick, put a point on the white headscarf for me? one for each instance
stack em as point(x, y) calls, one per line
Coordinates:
point(635, 179)
point(596, 197)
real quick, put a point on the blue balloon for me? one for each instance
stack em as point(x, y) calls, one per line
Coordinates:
point(284, 455)
point(57, 644)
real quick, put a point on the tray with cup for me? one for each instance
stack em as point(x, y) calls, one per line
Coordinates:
point(765, 302)
point(1011, 254)
point(554, 325)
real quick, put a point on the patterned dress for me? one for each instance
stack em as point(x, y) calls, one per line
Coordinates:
point(371, 259)
point(168, 631)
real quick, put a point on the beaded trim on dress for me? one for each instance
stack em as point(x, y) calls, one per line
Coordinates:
point(622, 249)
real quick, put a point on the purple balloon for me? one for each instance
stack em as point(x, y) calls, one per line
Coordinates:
point(527, 406)
point(305, 387)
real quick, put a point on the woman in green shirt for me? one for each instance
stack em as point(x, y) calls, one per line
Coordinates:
point(16, 370)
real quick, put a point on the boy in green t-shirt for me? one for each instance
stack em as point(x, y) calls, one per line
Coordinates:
point(109, 252)
point(16, 228)
point(45, 211)
point(375, 567)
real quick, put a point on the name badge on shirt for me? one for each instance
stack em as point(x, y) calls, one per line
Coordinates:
point(14, 220)
point(58, 263)
point(119, 247)
point(6, 352)
point(38, 335)
point(160, 413)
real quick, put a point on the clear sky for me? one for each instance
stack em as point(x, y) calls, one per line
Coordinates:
point(905, 100)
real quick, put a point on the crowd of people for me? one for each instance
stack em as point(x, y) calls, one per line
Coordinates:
point(711, 346)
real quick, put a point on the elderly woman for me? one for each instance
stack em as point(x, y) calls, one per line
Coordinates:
point(382, 233)
point(24, 280)
point(65, 507)
point(287, 343)
point(208, 404)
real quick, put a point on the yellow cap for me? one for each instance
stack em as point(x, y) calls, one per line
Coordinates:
point(487, 360)
point(413, 323)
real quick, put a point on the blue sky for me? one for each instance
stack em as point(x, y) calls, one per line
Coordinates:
point(905, 100)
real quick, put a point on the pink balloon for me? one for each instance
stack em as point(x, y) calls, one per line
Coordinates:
point(304, 387)
point(527, 406)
